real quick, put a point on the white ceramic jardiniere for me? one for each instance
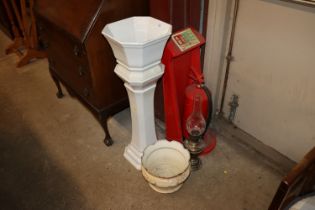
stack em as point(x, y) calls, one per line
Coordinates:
point(165, 165)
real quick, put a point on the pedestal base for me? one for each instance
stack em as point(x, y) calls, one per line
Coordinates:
point(140, 86)
point(133, 156)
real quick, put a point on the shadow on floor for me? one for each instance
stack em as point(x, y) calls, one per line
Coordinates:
point(29, 177)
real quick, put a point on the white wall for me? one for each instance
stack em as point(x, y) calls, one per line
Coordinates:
point(273, 72)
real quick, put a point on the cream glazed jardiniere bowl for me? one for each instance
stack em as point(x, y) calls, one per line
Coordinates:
point(165, 166)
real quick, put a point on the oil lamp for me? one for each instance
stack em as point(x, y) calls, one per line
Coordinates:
point(196, 126)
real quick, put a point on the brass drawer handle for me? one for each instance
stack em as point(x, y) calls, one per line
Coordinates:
point(77, 51)
point(81, 71)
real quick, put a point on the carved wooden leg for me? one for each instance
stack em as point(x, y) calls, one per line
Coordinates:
point(15, 46)
point(108, 140)
point(29, 55)
point(59, 94)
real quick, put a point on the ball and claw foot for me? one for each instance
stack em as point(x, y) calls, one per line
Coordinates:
point(108, 141)
point(59, 94)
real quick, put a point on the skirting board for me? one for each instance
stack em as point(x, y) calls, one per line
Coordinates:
point(230, 132)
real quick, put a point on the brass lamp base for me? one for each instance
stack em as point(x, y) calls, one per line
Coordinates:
point(195, 147)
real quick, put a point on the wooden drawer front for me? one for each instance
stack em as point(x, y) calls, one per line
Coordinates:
point(75, 76)
point(67, 59)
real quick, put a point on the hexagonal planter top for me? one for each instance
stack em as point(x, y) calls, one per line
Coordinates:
point(137, 42)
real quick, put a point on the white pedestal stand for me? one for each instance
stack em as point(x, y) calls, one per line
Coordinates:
point(138, 45)
point(140, 87)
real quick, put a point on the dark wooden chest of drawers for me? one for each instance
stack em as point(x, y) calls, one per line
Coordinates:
point(79, 56)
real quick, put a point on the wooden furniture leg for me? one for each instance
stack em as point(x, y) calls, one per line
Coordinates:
point(19, 17)
point(59, 93)
point(18, 40)
point(15, 46)
point(108, 139)
point(27, 26)
point(29, 55)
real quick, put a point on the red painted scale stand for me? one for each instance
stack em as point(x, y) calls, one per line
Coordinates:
point(181, 56)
